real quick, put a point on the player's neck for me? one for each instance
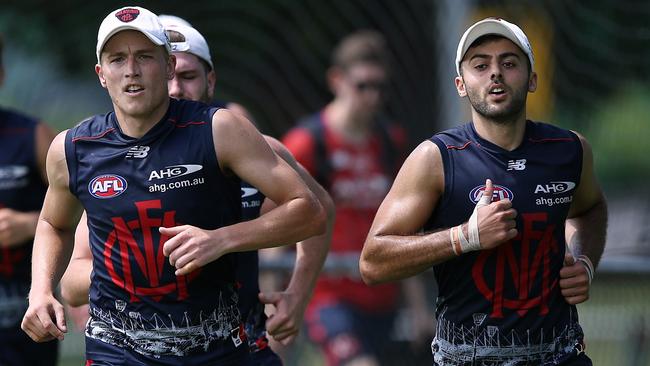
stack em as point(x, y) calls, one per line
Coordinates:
point(345, 123)
point(137, 126)
point(507, 135)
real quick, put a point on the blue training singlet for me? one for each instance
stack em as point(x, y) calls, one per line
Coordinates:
point(252, 310)
point(250, 307)
point(504, 306)
point(129, 188)
point(21, 189)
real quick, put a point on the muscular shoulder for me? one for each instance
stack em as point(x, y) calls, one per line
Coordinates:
point(57, 167)
point(233, 135)
point(424, 167)
point(428, 156)
point(226, 123)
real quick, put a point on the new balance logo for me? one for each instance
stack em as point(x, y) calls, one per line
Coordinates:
point(138, 152)
point(519, 164)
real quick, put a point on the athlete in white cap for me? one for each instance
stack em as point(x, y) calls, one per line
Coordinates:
point(158, 179)
point(486, 205)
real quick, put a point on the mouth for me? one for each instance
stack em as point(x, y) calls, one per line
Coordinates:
point(133, 89)
point(497, 90)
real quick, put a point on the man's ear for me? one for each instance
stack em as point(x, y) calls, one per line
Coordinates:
point(212, 81)
point(532, 82)
point(100, 75)
point(171, 67)
point(334, 78)
point(460, 86)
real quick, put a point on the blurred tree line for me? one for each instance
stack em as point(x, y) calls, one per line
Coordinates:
point(272, 55)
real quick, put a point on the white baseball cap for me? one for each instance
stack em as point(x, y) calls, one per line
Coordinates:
point(168, 20)
point(187, 39)
point(495, 26)
point(132, 18)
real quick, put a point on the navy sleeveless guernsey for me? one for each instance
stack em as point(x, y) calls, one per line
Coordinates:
point(250, 307)
point(129, 188)
point(504, 305)
point(252, 310)
point(21, 189)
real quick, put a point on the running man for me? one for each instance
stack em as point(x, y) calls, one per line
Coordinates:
point(158, 180)
point(194, 79)
point(493, 197)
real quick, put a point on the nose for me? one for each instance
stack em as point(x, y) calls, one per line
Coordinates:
point(496, 75)
point(132, 67)
point(175, 89)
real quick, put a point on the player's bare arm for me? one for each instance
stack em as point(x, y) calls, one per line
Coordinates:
point(75, 282)
point(587, 229)
point(241, 150)
point(44, 319)
point(394, 248)
point(290, 304)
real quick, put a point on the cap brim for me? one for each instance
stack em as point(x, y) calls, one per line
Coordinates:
point(489, 27)
point(150, 36)
point(478, 30)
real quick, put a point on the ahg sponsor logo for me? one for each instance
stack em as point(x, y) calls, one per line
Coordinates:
point(107, 186)
point(555, 187)
point(499, 193)
point(174, 171)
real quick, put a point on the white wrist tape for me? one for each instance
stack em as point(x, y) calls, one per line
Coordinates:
point(588, 266)
point(474, 242)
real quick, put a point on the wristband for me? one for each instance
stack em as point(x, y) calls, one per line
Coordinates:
point(455, 245)
point(588, 266)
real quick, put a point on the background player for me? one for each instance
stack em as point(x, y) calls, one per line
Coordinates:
point(23, 145)
point(352, 149)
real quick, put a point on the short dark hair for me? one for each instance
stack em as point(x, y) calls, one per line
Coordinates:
point(488, 38)
point(364, 46)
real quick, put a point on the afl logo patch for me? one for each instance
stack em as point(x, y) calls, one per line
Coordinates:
point(499, 193)
point(127, 15)
point(107, 186)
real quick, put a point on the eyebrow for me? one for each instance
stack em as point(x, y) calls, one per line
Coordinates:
point(500, 56)
point(136, 52)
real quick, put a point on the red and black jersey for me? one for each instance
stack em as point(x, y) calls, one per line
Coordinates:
point(357, 177)
point(504, 306)
point(129, 188)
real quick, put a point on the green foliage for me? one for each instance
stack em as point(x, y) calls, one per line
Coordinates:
point(618, 131)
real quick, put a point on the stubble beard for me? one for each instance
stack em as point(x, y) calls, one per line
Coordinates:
point(501, 114)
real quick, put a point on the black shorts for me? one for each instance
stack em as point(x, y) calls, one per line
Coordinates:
point(17, 349)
